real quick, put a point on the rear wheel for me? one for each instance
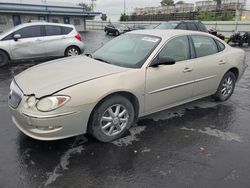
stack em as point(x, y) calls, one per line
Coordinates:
point(3, 58)
point(72, 51)
point(112, 118)
point(117, 33)
point(226, 87)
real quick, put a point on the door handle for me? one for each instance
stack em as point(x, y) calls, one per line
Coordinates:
point(187, 69)
point(222, 62)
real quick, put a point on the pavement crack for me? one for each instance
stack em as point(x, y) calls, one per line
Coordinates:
point(64, 162)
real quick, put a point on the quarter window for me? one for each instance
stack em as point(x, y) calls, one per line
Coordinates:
point(30, 32)
point(221, 46)
point(66, 30)
point(53, 30)
point(177, 49)
point(204, 45)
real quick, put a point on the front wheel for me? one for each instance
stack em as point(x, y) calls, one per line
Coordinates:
point(226, 87)
point(72, 51)
point(3, 58)
point(112, 118)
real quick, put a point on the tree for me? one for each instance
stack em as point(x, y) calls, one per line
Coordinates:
point(210, 16)
point(179, 2)
point(167, 2)
point(124, 18)
point(86, 6)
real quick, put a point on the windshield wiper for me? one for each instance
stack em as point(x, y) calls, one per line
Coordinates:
point(102, 60)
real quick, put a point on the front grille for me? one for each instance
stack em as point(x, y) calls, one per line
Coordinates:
point(15, 96)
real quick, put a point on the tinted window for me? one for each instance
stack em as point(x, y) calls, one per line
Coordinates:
point(192, 26)
point(221, 46)
point(53, 30)
point(202, 27)
point(66, 30)
point(166, 26)
point(177, 48)
point(30, 32)
point(182, 26)
point(204, 45)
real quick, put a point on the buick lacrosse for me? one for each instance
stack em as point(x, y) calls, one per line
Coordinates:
point(136, 74)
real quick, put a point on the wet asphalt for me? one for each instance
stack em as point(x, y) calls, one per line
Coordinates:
point(200, 144)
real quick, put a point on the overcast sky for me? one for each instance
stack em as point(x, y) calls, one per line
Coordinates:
point(113, 8)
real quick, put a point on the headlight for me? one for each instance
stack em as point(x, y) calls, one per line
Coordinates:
point(51, 103)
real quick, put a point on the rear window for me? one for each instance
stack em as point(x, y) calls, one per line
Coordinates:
point(192, 26)
point(202, 27)
point(53, 30)
point(66, 30)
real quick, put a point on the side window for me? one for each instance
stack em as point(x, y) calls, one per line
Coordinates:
point(66, 30)
point(204, 45)
point(221, 46)
point(182, 26)
point(177, 48)
point(192, 26)
point(30, 32)
point(53, 30)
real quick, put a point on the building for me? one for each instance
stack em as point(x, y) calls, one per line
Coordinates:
point(15, 13)
point(177, 8)
point(210, 5)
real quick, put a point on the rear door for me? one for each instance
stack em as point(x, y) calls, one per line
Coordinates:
point(56, 39)
point(30, 45)
point(209, 64)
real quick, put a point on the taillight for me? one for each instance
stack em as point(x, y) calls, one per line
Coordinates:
point(78, 36)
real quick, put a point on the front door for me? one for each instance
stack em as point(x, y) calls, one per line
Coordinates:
point(167, 85)
point(30, 45)
point(16, 20)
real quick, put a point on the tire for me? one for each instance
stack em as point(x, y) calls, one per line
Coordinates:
point(107, 33)
point(3, 58)
point(115, 126)
point(117, 33)
point(72, 51)
point(226, 87)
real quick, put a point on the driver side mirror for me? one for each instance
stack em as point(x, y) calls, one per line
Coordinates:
point(163, 61)
point(17, 37)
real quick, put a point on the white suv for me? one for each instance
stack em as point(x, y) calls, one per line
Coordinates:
point(39, 40)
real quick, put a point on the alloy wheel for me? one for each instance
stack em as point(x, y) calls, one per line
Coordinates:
point(114, 120)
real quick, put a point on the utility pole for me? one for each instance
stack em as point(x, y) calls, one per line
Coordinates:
point(124, 7)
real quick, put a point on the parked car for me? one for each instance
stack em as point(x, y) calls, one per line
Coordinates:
point(240, 39)
point(214, 32)
point(133, 75)
point(189, 25)
point(39, 40)
point(185, 25)
point(116, 29)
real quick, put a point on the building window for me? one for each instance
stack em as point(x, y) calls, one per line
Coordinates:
point(55, 20)
point(77, 22)
point(3, 20)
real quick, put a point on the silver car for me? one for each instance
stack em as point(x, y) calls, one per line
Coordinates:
point(136, 74)
point(39, 40)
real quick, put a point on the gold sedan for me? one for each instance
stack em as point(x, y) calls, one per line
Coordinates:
point(136, 74)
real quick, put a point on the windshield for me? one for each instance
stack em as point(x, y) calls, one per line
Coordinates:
point(129, 50)
point(166, 26)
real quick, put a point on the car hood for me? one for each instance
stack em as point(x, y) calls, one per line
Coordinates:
point(48, 78)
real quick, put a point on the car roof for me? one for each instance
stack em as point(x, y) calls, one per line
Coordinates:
point(165, 34)
point(44, 23)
